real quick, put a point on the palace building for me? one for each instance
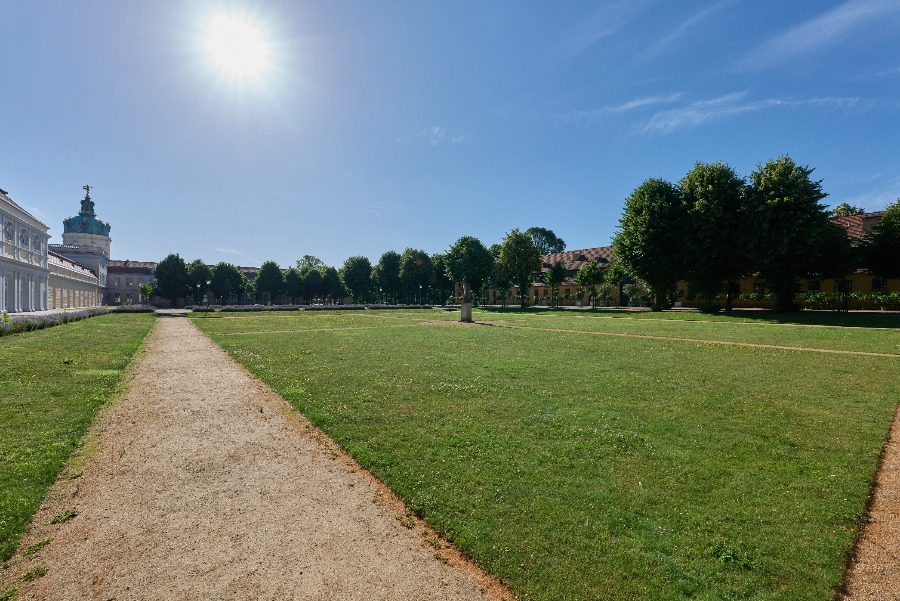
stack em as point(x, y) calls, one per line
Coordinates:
point(36, 275)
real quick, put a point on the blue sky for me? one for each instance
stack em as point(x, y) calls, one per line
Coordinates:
point(377, 126)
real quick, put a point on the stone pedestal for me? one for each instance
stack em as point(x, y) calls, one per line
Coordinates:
point(465, 312)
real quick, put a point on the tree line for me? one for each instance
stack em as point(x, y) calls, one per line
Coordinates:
point(715, 227)
point(413, 277)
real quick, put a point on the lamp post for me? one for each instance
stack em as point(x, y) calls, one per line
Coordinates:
point(420, 294)
point(380, 295)
point(208, 282)
point(198, 293)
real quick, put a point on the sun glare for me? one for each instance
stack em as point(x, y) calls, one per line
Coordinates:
point(237, 47)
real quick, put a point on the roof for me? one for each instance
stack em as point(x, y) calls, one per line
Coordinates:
point(4, 198)
point(131, 264)
point(68, 263)
point(573, 260)
point(859, 226)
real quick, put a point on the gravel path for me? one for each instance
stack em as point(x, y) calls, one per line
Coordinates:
point(205, 485)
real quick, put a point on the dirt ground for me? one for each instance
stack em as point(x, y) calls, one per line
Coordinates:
point(875, 572)
point(204, 484)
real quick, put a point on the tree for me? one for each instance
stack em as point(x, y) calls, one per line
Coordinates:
point(312, 280)
point(171, 277)
point(469, 264)
point(147, 291)
point(788, 222)
point(649, 241)
point(882, 247)
point(614, 275)
point(715, 235)
point(357, 277)
point(198, 273)
point(227, 280)
point(386, 275)
point(415, 273)
point(546, 241)
point(293, 284)
point(310, 262)
point(441, 283)
point(519, 260)
point(846, 210)
point(553, 279)
point(269, 281)
point(589, 277)
point(332, 286)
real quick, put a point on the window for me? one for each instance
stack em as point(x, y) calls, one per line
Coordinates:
point(129, 283)
point(845, 286)
point(879, 285)
point(116, 283)
point(758, 288)
point(812, 286)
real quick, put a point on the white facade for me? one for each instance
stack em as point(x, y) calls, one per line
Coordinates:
point(24, 270)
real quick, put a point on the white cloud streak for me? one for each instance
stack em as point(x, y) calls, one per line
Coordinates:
point(821, 32)
point(684, 28)
point(435, 136)
point(601, 24)
point(604, 111)
point(730, 105)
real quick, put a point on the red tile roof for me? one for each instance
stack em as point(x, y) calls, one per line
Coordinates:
point(858, 226)
point(573, 260)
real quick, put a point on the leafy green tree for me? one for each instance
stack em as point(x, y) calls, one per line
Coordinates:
point(310, 262)
point(553, 279)
point(387, 275)
point(332, 285)
point(227, 280)
point(846, 210)
point(147, 292)
point(546, 241)
point(882, 247)
point(172, 280)
point(198, 273)
point(293, 284)
point(519, 260)
point(789, 224)
point(441, 283)
point(589, 277)
point(269, 281)
point(469, 263)
point(357, 277)
point(651, 232)
point(312, 280)
point(415, 273)
point(714, 241)
point(614, 275)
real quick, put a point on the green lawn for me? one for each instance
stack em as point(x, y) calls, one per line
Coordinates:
point(580, 466)
point(51, 384)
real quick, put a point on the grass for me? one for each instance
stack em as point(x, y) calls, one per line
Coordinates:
point(52, 383)
point(580, 466)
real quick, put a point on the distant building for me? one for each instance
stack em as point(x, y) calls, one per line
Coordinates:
point(124, 281)
point(71, 284)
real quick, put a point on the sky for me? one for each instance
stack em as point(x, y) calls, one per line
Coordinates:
point(352, 127)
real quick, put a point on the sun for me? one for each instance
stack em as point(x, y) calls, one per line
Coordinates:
point(237, 47)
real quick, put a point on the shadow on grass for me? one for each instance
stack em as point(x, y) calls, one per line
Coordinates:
point(857, 319)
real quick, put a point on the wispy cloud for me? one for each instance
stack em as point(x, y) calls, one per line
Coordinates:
point(727, 106)
point(685, 28)
point(232, 251)
point(880, 194)
point(602, 23)
point(434, 136)
point(821, 32)
point(594, 115)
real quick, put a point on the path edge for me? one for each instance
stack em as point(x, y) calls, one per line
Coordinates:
point(447, 553)
point(66, 486)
